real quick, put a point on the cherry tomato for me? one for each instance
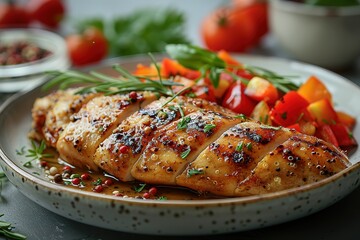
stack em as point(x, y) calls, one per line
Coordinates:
point(228, 29)
point(47, 12)
point(13, 16)
point(236, 100)
point(86, 48)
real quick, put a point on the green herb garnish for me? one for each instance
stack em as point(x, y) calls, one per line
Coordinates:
point(249, 146)
point(284, 115)
point(140, 187)
point(185, 153)
point(182, 124)
point(162, 198)
point(205, 61)
point(239, 147)
point(97, 182)
point(192, 172)
point(208, 127)
point(241, 116)
point(36, 152)
point(6, 231)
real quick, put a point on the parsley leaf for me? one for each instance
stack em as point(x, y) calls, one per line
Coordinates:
point(208, 127)
point(185, 153)
point(182, 124)
point(140, 187)
point(142, 31)
point(192, 172)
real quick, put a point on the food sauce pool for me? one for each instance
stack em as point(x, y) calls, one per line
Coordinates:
point(59, 172)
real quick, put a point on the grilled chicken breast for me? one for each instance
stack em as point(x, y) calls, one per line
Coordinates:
point(119, 152)
point(298, 161)
point(52, 113)
point(186, 142)
point(231, 158)
point(93, 124)
point(178, 144)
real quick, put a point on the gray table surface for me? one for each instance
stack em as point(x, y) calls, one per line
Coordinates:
point(339, 221)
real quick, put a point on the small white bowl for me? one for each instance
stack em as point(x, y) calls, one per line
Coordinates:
point(325, 36)
point(23, 76)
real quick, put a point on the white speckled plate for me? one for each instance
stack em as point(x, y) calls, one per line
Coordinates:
point(175, 217)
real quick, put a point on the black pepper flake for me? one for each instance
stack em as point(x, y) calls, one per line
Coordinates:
point(241, 157)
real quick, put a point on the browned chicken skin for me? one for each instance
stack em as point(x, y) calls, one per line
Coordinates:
point(186, 142)
point(119, 152)
point(173, 148)
point(95, 121)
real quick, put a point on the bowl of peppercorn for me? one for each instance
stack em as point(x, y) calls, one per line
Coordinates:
point(321, 32)
point(26, 55)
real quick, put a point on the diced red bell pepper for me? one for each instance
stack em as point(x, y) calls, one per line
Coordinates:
point(346, 119)
point(326, 133)
point(204, 90)
point(289, 109)
point(314, 90)
point(236, 100)
point(343, 136)
point(244, 74)
point(260, 89)
point(323, 112)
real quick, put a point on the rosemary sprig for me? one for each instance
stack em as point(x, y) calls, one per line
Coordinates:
point(36, 152)
point(208, 62)
point(97, 82)
point(6, 231)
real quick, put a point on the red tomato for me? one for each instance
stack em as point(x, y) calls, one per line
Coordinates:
point(228, 29)
point(13, 16)
point(47, 12)
point(90, 47)
point(236, 100)
point(258, 13)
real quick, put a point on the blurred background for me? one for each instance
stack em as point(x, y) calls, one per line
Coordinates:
point(321, 32)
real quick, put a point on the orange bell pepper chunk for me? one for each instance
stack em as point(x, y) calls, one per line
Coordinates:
point(170, 67)
point(146, 71)
point(314, 90)
point(260, 89)
point(323, 112)
point(227, 58)
point(346, 119)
